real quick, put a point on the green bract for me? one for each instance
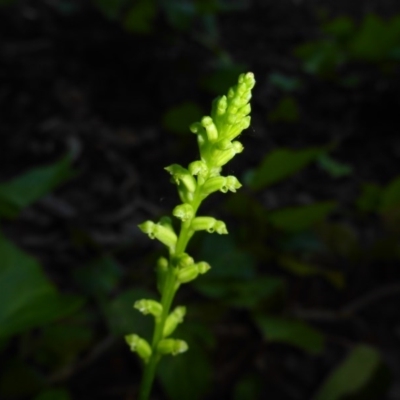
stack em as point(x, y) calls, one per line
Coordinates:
point(215, 137)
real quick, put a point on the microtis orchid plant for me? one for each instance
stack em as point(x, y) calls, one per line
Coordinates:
point(215, 135)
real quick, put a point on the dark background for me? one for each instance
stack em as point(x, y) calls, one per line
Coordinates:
point(77, 78)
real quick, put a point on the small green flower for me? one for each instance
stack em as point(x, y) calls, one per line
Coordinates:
point(149, 307)
point(172, 346)
point(173, 320)
point(182, 175)
point(184, 212)
point(191, 272)
point(160, 232)
point(140, 346)
point(208, 224)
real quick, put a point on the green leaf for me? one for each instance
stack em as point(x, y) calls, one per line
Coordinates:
point(140, 17)
point(123, 319)
point(390, 195)
point(323, 57)
point(280, 164)
point(292, 332)
point(249, 294)
point(287, 110)
point(26, 189)
point(375, 38)
point(27, 298)
point(370, 197)
point(100, 277)
point(339, 238)
point(60, 344)
point(340, 27)
point(53, 394)
point(301, 268)
point(334, 168)
point(294, 219)
point(284, 82)
point(302, 241)
point(177, 119)
point(360, 376)
point(220, 251)
point(188, 376)
point(179, 13)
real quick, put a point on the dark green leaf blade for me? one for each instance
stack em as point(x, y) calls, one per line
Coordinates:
point(280, 164)
point(27, 298)
point(294, 219)
point(354, 377)
point(294, 332)
point(31, 186)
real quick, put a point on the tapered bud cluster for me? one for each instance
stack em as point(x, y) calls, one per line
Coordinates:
point(216, 136)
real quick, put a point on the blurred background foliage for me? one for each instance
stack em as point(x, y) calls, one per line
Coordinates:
point(96, 99)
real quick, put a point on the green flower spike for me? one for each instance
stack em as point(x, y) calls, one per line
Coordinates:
point(216, 138)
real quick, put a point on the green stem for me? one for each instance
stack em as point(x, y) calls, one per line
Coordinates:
point(167, 298)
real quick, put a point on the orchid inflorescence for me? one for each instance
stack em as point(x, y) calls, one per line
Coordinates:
point(216, 136)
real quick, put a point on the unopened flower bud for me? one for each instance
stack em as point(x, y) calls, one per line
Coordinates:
point(203, 267)
point(172, 346)
point(183, 260)
point(187, 274)
point(211, 129)
point(173, 319)
point(245, 110)
point(139, 345)
point(195, 127)
point(221, 105)
point(225, 156)
point(146, 306)
point(224, 144)
point(184, 212)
